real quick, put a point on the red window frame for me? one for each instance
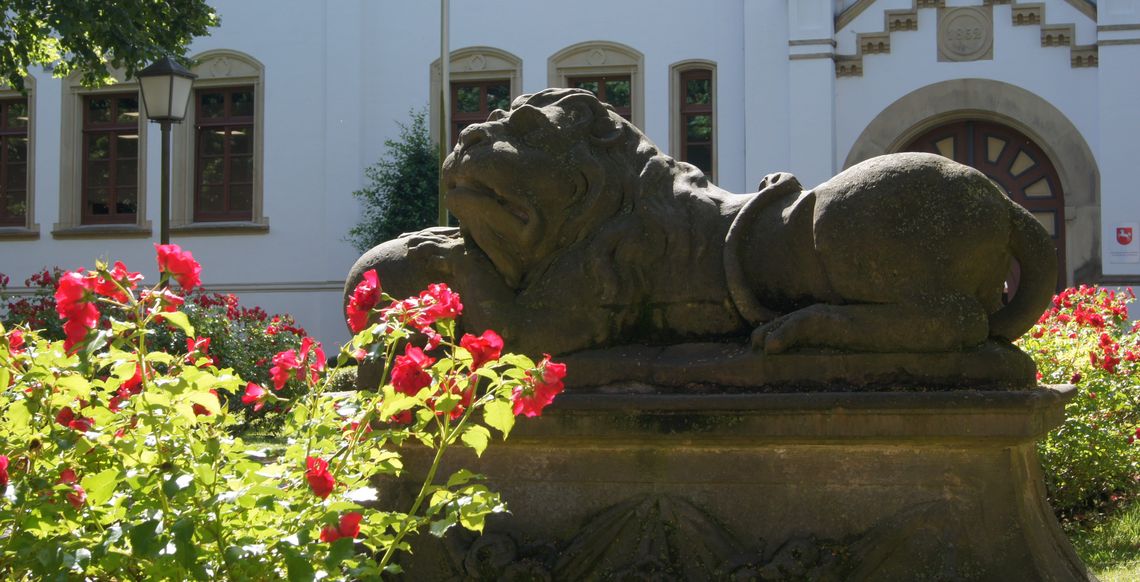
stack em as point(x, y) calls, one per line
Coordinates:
point(10, 186)
point(461, 119)
point(626, 111)
point(227, 125)
point(119, 183)
point(691, 110)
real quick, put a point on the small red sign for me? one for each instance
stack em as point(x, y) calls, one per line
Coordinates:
point(1124, 234)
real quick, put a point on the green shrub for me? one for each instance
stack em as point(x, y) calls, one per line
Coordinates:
point(1085, 339)
point(117, 461)
point(402, 194)
point(239, 337)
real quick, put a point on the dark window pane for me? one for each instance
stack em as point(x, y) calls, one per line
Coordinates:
point(127, 172)
point(213, 171)
point(498, 97)
point(212, 105)
point(242, 104)
point(16, 203)
point(127, 146)
point(213, 142)
point(16, 177)
point(241, 197)
point(699, 128)
point(467, 99)
point(698, 92)
point(699, 156)
point(98, 146)
point(17, 115)
point(98, 110)
point(98, 174)
point(128, 110)
point(126, 202)
point(97, 203)
point(241, 142)
point(241, 169)
point(591, 86)
point(617, 93)
point(211, 199)
point(17, 149)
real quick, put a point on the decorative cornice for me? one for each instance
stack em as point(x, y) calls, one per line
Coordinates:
point(1021, 14)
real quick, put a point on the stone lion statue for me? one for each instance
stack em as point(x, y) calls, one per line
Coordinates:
point(577, 233)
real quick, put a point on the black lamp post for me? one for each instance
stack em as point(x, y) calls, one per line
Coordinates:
point(165, 86)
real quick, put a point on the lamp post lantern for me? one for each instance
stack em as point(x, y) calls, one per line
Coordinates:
point(165, 86)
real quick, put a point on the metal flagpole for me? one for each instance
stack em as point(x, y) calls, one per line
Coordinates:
point(444, 102)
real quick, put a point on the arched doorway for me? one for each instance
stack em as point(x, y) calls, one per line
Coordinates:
point(1013, 161)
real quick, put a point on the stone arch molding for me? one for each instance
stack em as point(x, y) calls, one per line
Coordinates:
point(473, 63)
point(1020, 109)
point(598, 57)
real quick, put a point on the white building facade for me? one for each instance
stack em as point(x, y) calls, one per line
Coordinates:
point(294, 100)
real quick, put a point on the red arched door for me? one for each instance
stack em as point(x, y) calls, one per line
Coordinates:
point(1013, 162)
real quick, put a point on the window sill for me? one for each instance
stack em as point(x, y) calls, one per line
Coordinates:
point(102, 231)
point(223, 228)
point(20, 232)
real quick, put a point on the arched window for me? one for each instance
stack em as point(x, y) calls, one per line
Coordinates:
point(611, 70)
point(218, 147)
point(483, 79)
point(692, 114)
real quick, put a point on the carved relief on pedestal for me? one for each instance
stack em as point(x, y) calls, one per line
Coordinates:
point(965, 34)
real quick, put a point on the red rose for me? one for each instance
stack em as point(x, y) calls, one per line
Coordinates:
point(68, 476)
point(74, 304)
point(318, 476)
point(364, 297)
point(349, 527)
point(16, 341)
point(255, 395)
point(161, 299)
point(105, 284)
point(67, 417)
point(283, 365)
point(180, 265)
point(199, 346)
point(408, 375)
point(77, 497)
point(3, 471)
point(485, 348)
point(441, 302)
point(540, 387)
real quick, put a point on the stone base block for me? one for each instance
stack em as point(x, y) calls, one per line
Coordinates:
point(819, 486)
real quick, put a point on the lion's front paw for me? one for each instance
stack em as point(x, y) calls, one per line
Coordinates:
point(811, 326)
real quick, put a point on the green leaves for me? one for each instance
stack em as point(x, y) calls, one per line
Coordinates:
point(499, 414)
point(179, 320)
point(476, 437)
point(100, 486)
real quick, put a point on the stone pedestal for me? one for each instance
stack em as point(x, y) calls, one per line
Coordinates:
point(898, 485)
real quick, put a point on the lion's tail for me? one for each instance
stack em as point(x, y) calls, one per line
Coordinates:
point(1033, 248)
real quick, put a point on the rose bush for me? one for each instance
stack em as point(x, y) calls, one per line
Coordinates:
point(1086, 339)
point(117, 460)
point(235, 336)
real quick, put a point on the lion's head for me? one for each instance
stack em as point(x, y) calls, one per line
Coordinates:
point(533, 180)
